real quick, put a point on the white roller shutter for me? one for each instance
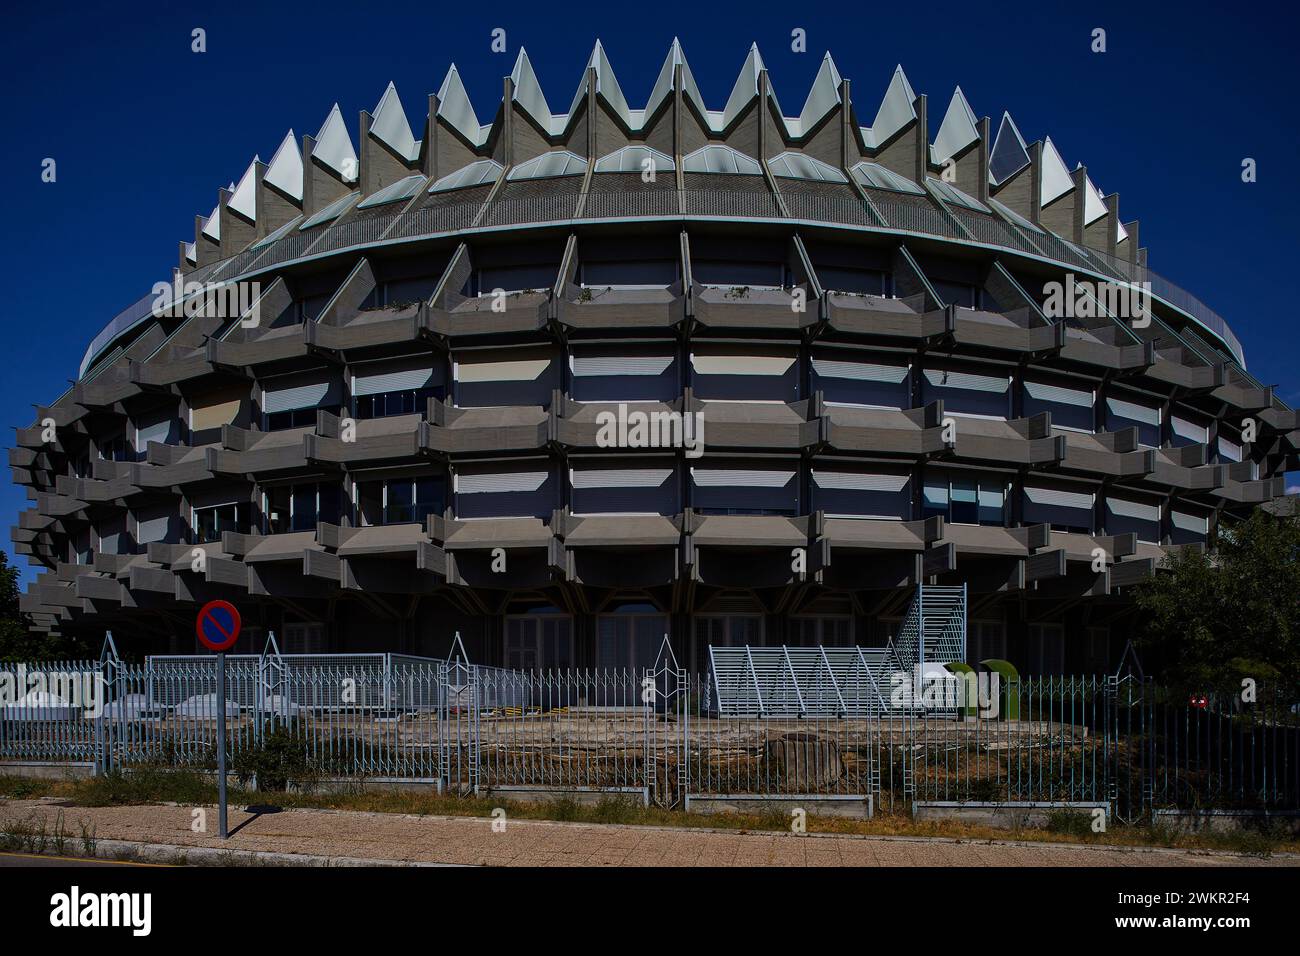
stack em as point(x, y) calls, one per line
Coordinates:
point(740, 478)
point(859, 371)
point(591, 366)
point(1185, 428)
point(1059, 394)
point(858, 481)
point(619, 477)
point(509, 370)
point(1057, 498)
point(159, 427)
point(742, 364)
point(1193, 523)
point(500, 483)
point(393, 378)
point(966, 380)
point(1133, 509)
point(156, 524)
point(288, 398)
point(1133, 411)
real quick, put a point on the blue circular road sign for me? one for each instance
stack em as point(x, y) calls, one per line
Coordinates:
point(217, 625)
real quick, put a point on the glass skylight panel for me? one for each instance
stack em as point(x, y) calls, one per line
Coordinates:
point(1014, 216)
point(561, 162)
point(475, 174)
point(335, 209)
point(394, 192)
point(721, 159)
point(799, 166)
point(875, 176)
point(278, 234)
point(950, 193)
point(631, 159)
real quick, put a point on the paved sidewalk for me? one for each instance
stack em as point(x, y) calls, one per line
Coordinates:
point(355, 836)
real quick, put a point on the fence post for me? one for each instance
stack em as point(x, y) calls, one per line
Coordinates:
point(107, 673)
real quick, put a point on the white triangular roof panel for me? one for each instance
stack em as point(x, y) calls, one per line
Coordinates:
point(389, 125)
point(528, 91)
point(823, 97)
point(285, 171)
point(1094, 207)
point(243, 199)
point(746, 87)
point(334, 146)
point(958, 130)
point(1056, 177)
point(456, 109)
point(896, 110)
point(212, 225)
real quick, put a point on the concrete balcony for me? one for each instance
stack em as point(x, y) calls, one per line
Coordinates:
point(1024, 441)
point(917, 432)
point(1011, 332)
point(375, 440)
point(366, 329)
point(516, 312)
point(744, 308)
point(1114, 454)
point(600, 309)
point(874, 315)
point(452, 430)
point(757, 424)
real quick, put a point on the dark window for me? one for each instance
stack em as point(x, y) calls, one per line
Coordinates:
point(210, 523)
point(298, 418)
point(406, 402)
point(400, 500)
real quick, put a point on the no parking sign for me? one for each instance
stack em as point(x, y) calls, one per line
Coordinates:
point(217, 625)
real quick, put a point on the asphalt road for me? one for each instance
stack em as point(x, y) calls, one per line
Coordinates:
point(29, 859)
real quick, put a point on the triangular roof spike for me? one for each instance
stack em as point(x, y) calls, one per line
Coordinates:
point(896, 110)
point(243, 199)
point(528, 91)
point(1094, 206)
point(334, 146)
point(958, 130)
point(285, 169)
point(1009, 154)
point(389, 125)
point(456, 109)
point(746, 87)
point(1120, 232)
point(664, 82)
point(607, 83)
point(823, 97)
point(1056, 175)
point(212, 224)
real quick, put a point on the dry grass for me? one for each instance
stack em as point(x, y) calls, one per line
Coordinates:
point(182, 787)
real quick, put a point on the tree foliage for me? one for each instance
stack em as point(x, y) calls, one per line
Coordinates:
point(1216, 617)
point(18, 641)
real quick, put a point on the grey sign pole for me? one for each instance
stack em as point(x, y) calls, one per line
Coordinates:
point(221, 744)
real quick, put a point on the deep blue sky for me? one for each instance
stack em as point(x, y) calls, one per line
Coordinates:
point(144, 131)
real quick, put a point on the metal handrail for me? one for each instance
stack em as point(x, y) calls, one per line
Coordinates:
point(900, 216)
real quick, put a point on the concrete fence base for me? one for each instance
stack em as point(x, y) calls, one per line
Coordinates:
point(1007, 815)
point(855, 806)
point(587, 796)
